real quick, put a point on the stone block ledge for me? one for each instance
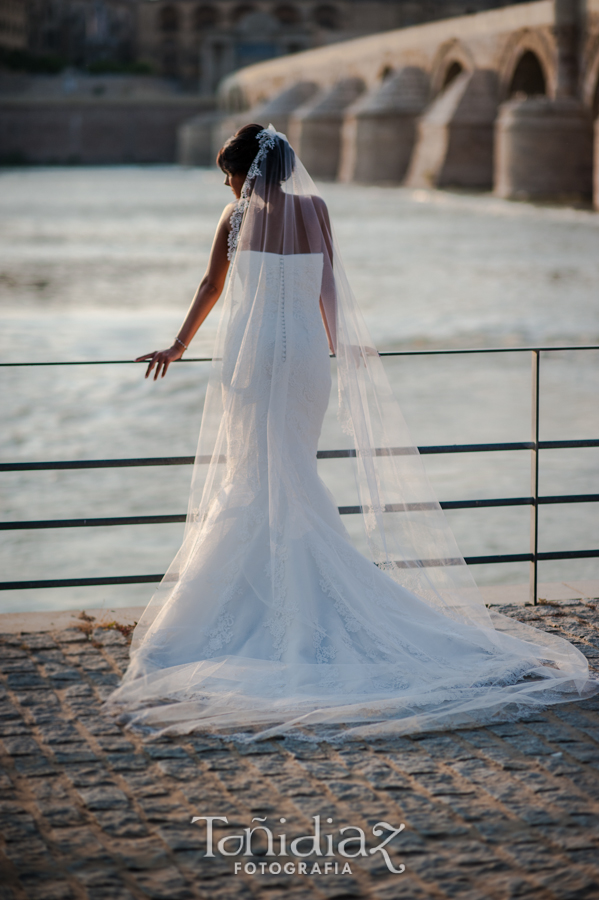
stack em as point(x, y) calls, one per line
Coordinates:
point(89, 810)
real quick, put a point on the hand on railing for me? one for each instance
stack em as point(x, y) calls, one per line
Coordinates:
point(161, 359)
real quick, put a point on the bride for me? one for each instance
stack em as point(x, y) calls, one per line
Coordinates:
point(268, 619)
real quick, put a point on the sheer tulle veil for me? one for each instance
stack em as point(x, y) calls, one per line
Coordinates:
point(281, 215)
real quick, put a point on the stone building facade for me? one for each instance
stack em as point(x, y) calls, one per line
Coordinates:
point(199, 42)
point(81, 32)
point(202, 41)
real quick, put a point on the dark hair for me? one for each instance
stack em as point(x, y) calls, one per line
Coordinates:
point(238, 153)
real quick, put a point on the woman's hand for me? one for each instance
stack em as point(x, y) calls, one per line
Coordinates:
point(161, 359)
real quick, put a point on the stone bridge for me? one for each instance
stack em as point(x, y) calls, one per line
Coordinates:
point(505, 100)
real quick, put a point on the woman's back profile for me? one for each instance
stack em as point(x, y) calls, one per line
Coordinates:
point(269, 619)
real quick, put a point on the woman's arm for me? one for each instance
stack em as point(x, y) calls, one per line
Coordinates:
point(208, 292)
point(328, 296)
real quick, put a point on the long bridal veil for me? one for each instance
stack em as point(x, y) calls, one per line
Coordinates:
point(245, 439)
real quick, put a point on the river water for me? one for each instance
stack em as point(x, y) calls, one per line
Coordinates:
point(101, 263)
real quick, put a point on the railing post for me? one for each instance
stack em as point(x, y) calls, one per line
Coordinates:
point(534, 476)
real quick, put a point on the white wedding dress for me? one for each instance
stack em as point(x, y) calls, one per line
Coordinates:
point(269, 619)
point(274, 620)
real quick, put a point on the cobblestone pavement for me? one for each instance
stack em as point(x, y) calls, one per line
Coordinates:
point(91, 811)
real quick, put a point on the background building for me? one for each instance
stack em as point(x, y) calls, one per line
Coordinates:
point(201, 41)
point(13, 25)
point(196, 42)
point(83, 32)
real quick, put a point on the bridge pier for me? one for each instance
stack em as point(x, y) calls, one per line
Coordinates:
point(455, 135)
point(277, 109)
point(544, 150)
point(315, 128)
point(596, 167)
point(280, 108)
point(379, 129)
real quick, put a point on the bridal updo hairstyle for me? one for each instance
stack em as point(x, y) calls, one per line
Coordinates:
point(238, 153)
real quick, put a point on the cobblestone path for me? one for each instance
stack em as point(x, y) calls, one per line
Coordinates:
point(90, 811)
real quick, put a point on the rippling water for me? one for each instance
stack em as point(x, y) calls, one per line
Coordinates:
point(102, 263)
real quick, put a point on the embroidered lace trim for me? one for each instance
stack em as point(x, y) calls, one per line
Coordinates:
point(266, 141)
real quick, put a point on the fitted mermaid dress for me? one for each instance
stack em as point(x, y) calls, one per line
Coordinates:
point(275, 621)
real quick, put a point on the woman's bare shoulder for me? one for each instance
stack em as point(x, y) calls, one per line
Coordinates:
point(311, 200)
point(316, 204)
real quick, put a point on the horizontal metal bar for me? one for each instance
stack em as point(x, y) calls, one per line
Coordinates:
point(428, 450)
point(444, 504)
point(149, 579)
point(558, 445)
point(571, 498)
point(467, 351)
point(476, 448)
point(568, 554)
point(469, 560)
point(99, 463)
point(481, 504)
point(100, 362)
point(90, 523)
point(78, 582)
point(36, 524)
point(456, 352)
point(432, 449)
point(498, 558)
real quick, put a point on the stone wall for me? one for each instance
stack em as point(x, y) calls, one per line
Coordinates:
point(88, 131)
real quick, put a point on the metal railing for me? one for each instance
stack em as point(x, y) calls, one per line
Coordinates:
point(535, 445)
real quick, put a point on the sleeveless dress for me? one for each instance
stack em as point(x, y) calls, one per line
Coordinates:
point(292, 626)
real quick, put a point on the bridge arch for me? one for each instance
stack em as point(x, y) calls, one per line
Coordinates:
point(528, 65)
point(528, 77)
point(452, 58)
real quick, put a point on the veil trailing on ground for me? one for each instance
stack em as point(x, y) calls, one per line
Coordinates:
point(258, 411)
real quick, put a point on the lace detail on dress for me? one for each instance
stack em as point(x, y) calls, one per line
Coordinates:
point(284, 612)
point(222, 633)
point(323, 653)
point(235, 224)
